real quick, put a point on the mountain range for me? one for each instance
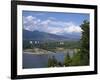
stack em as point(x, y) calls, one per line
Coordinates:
point(44, 36)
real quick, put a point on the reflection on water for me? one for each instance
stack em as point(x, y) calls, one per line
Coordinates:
point(41, 61)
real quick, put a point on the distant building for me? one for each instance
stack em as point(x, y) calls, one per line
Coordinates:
point(34, 42)
point(30, 42)
point(61, 43)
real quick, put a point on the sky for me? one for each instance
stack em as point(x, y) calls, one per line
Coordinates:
point(53, 22)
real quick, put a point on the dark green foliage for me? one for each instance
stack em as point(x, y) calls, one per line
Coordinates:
point(76, 59)
point(67, 60)
point(85, 35)
point(60, 64)
point(26, 44)
point(85, 43)
point(52, 62)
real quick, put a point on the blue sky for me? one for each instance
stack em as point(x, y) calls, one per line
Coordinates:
point(53, 22)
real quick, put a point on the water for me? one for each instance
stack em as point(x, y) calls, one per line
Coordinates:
point(41, 61)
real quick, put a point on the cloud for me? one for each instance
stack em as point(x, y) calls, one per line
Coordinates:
point(30, 23)
point(73, 28)
point(50, 25)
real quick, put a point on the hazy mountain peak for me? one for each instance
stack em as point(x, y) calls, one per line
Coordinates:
point(43, 36)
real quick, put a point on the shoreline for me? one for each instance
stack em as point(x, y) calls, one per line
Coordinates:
point(37, 51)
point(42, 51)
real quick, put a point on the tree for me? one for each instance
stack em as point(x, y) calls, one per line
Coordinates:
point(60, 64)
point(76, 59)
point(67, 60)
point(52, 62)
point(85, 43)
point(55, 63)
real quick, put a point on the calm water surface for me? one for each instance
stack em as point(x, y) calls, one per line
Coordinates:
point(41, 61)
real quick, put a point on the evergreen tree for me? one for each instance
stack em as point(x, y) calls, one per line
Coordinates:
point(52, 62)
point(67, 60)
point(76, 59)
point(85, 43)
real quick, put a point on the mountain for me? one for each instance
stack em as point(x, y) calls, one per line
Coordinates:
point(43, 36)
point(74, 35)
